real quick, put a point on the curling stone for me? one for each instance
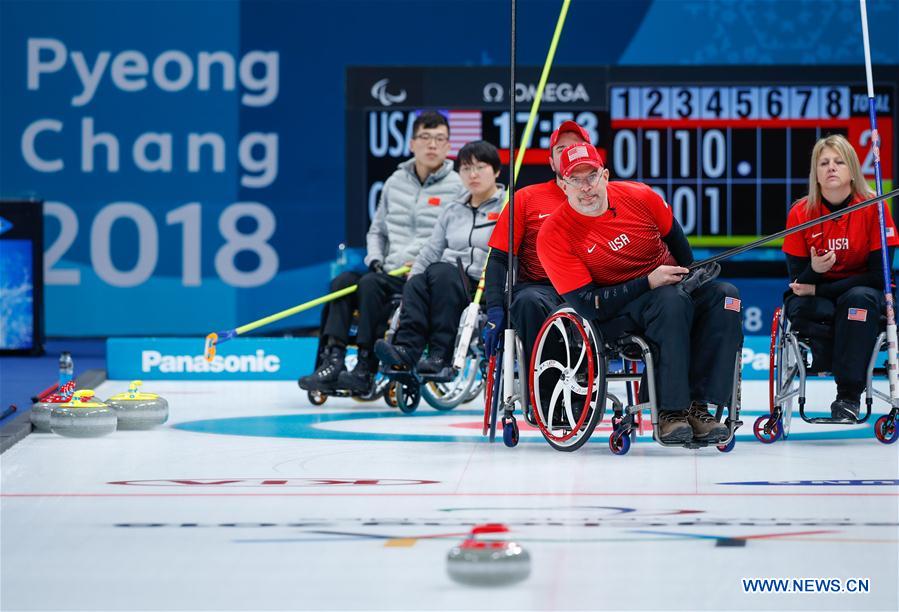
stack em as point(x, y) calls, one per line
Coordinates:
point(40, 411)
point(488, 562)
point(139, 410)
point(83, 416)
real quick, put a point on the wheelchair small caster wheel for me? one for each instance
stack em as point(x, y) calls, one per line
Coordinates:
point(884, 432)
point(407, 398)
point(726, 448)
point(510, 432)
point(764, 433)
point(390, 395)
point(316, 398)
point(619, 442)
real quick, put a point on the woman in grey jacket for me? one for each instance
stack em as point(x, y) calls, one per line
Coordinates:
point(436, 292)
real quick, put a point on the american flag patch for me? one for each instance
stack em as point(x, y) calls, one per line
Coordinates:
point(890, 232)
point(732, 304)
point(577, 153)
point(857, 314)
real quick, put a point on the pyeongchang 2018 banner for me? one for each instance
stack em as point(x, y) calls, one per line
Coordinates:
point(155, 132)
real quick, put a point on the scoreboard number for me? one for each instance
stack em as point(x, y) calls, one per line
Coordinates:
point(730, 103)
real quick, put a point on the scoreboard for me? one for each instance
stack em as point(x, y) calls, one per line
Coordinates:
point(728, 148)
point(731, 159)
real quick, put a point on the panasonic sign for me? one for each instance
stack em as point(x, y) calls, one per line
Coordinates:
point(258, 362)
point(182, 359)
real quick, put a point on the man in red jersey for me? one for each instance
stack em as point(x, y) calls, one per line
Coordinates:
point(533, 297)
point(616, 250)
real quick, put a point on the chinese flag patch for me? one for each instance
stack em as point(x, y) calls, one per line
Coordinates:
point(492, 216)
point(434, 201)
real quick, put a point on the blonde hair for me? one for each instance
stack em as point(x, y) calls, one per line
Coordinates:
point(838, 143)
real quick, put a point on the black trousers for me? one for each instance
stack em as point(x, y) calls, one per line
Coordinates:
point(848, 353)
point(372, 299)
point(433, 301)
point(532, 303)
point(694, 342)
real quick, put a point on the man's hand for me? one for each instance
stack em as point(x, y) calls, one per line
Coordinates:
point(802, 288)
point(824, 261)
point(493, 329)
point(666, 275)
point(376, 266)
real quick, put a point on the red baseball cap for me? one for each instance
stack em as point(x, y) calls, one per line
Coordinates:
point(581, 154)
point(568, 126)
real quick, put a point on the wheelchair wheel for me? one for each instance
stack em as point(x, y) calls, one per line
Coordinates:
point(619, 442)
point(884, 432)
point(726, 448)
point(390, 394)
point(316, 398)
point(476, 389)
point(783, 365)
point(510, 432)
point(567, 380)
point(448, 395)
point(407, 397)
point(764, 433)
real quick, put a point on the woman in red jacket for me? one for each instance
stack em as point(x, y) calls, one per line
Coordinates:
point(836, 267)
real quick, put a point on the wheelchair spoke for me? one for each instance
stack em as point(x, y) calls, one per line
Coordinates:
point(547, 365)
point(552, 403)
point(568, 412)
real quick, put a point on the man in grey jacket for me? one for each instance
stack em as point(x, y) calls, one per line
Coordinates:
point(407, 211)
point(436, 293)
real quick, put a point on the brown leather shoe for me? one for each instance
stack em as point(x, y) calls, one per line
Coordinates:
point(705, 427)
point(673, 427)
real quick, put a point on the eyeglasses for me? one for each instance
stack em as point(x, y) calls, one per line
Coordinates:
point(477, 169)
point(438, 138)
point(580, 182)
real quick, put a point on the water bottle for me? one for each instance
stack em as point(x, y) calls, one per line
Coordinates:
point(340, 264)
point(66, 368)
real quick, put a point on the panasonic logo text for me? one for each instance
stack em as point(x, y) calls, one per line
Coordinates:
point(259, 362)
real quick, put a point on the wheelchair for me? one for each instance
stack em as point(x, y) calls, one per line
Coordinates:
point(408, 387)
point(381, 386)
point(573, 363)
point(791, 365)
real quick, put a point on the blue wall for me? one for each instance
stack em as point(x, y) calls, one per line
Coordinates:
point(315, 41)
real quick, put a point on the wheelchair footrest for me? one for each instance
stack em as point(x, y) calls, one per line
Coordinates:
point(638, 408)
point(832, 421)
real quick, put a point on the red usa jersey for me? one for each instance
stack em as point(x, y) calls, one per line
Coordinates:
point(852, 237)
point(623, 243)
point(534, 204)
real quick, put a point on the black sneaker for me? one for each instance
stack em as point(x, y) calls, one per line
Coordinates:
point(361, 379)
point(393, 356)
point(432, 364)
point(674, 428)
point(844, 409)
point(325, 377)
point(706, 428)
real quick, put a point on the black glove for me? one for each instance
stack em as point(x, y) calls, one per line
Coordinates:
point(493, 330)
point(700, 276)
point(376, 266)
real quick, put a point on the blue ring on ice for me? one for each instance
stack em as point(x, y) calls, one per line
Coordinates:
point(308, 426)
